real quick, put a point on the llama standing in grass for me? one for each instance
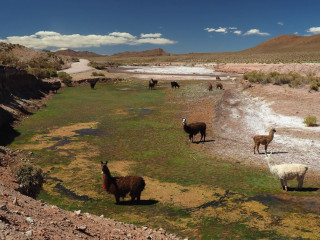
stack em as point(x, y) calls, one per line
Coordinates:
point(263, 139)
point(287, 171)
point(195, 128)
point(121, 186)
point(92, 82)
point(210, 87)
point(151, 84)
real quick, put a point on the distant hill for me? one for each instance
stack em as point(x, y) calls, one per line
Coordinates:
point(78, 54)
point(147, 53)
point(287, 43)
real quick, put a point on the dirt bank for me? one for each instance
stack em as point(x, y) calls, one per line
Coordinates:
point(301, 68)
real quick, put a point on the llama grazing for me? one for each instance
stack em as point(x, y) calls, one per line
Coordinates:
point(174, 84)
point(92, 82)
point(210, 87)
point(121, 186)
point(219, 86)
point(194, 129)
point(263, 139)
point(287, 171)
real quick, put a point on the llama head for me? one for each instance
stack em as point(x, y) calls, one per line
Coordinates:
point(184, 121)
point(273, 130)
point(104, 167)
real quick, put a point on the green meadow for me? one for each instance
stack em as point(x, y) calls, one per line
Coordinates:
point(139, 131)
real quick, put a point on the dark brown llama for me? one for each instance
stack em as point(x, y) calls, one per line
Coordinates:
point(263, 139)
point(121, 186)
point(55, 86)
point(151, 85)
point(154, 81)
point(194, 128)
point(210, 87)
point(174, 84)
point(92, 82)
point(218, 78)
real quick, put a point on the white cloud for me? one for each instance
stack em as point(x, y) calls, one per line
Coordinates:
point(256, 32)
point(233, 28)
point(220, 30)
point(150, 35)
point(238, 32)
point(280, 23)
point(45, 39)
point(314, 30)
point(296, 33)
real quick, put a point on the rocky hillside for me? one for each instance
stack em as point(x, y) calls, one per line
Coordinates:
point(77, 54)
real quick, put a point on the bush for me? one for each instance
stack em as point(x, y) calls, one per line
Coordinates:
point(314, 86)
point(30, 179)
point(310, 121)
point(66, 78)
point(97, 74)
point(255, 77)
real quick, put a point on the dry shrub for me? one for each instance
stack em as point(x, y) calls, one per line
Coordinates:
point(310, 121)
point(30, 179)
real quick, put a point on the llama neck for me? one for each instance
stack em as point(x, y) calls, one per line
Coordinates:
point(106, 178)
point(270, 164)
point(271, 134)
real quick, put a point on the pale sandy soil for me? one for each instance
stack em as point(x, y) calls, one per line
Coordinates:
point(303, 69)
point(78, 67)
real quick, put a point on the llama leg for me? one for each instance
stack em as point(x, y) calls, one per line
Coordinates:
point(285, 185)
point(138, 197)
point(300, 181)
point(258, 145)
point(265, 148)
point(117, 199)
point(282, 184)
point(190, 138)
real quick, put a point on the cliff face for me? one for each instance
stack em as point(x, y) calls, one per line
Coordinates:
point(20, 94)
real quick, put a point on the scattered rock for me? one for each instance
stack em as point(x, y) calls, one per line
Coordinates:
point(81, 228)
point(29, 233)
point(30, 220)
point(78, 213)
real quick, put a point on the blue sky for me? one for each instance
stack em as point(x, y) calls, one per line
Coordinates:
point(177, 26)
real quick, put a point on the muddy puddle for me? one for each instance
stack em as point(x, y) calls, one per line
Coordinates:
point(70, 194)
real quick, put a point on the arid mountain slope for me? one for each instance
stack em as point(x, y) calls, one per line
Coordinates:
point(287, 43)
point(147, 53)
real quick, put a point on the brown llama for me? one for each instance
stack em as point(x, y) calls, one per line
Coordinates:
point(194, 128)
point(264, 140)
point(218, 78)
point(121, 186)
point(55, 86)
point(219, 86)
point(210, 87)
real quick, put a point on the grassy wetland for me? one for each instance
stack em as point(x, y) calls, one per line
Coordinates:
point(188, 191)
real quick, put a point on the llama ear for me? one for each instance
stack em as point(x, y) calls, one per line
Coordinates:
point(101, 162)
point(106, 162)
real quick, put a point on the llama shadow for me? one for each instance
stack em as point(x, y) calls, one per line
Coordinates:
point(141, 202)
point(273, 153)
point(204, 141)
point(308, 189)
